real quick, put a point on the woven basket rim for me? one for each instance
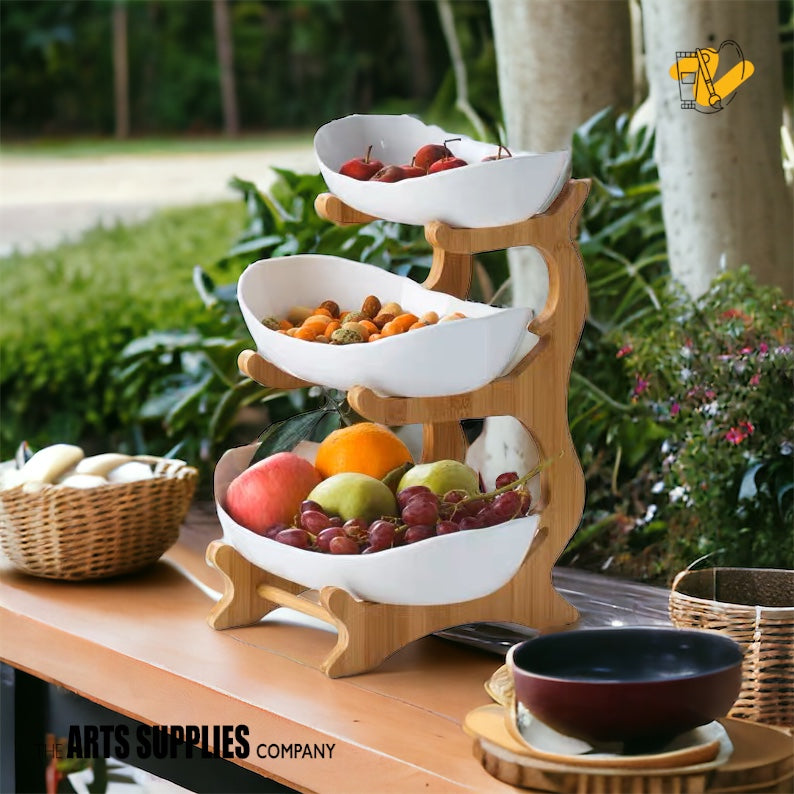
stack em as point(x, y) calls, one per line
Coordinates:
point(734, 606)
point(786, 612)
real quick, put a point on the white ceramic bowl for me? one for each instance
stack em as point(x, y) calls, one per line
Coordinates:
point(442, 359)
point(481, 194)
point(441, 570)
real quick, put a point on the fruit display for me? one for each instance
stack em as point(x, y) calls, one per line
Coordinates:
point(329, 324)
point(67, 466)
point(431, 158)
point(428, 174)
point(438, 569)
point(332, 507)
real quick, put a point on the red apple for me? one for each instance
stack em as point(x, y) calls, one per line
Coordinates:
point(427, 155)
point(431, 152)
point(412, 170)
point(362, 168)
point(270, 491)
point(445, 163)
point(498, 155)
point(391, 173)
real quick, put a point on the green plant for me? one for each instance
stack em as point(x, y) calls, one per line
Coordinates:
point(67, 313)
point(717, 374)
point(624, 251)
point(182, 388)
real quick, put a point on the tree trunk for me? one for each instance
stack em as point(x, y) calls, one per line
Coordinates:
point(225, 49)
point(558, 64)
point(415, 43)
point(121, 90)
point(724, 197)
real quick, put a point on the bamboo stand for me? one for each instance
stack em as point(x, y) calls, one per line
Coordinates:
point(535, 392)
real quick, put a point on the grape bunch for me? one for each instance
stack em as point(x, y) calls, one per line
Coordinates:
point(422, 515)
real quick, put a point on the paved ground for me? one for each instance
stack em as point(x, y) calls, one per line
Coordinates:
point(44, 200)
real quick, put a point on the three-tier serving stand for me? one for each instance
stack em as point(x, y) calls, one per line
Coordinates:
point(535, 392)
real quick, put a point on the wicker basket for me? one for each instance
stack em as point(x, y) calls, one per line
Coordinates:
point(755, 607)
point(78, 534)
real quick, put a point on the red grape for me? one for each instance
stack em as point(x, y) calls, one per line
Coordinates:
point(272, 531)
point(294, 537)
point(355, 528)
point(505, 479)
point(463, 509)
point(381, 534)
point(344, 545)
point(308, 504)
point(325, 537)
point(446, 527)
point(470, 522)
point(335, 521)
point(455, 496)
point(507, 505)
point(314, 521)
point(420, 510)
point(488, 518)
point(419, 532)
point(408, 493)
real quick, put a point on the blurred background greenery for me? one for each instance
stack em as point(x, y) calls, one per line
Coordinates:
point(118, 341)
point(296, 64)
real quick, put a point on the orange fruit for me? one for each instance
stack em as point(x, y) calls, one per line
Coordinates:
point(365, 447)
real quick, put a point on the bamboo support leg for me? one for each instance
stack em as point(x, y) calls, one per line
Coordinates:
point(241, 603)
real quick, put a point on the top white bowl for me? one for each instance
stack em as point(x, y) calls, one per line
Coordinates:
point(481, 194)
point(440, 360)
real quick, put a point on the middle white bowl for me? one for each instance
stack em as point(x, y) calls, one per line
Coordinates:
point(441, 570)
point(440, 360)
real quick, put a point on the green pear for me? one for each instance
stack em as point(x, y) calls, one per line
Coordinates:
point(442, 476)
point(354, 495)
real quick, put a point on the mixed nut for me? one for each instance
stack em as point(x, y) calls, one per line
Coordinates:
point(329, 324)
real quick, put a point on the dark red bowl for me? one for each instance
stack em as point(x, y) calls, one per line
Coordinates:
point(632, 684)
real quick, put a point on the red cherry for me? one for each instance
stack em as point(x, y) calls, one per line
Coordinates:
point(362, 168)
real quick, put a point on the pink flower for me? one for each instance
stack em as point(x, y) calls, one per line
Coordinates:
point(674, 409)
point(710, 394)
point(746, 350)
point(640, 386)
point(624, 351)
point(735, 436)
point(738, 434)
point(756, 379)
point(763, 348)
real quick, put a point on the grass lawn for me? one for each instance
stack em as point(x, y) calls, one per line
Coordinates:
point(87, 147)
point(65, 314)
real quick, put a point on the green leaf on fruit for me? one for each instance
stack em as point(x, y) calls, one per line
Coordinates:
point(313, 425)
point(284, 436)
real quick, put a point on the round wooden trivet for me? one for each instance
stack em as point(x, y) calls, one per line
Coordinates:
point(762, 761)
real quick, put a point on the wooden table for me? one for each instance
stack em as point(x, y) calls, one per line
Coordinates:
point(141, 646)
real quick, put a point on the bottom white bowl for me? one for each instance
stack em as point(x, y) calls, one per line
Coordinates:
point(442, 570)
